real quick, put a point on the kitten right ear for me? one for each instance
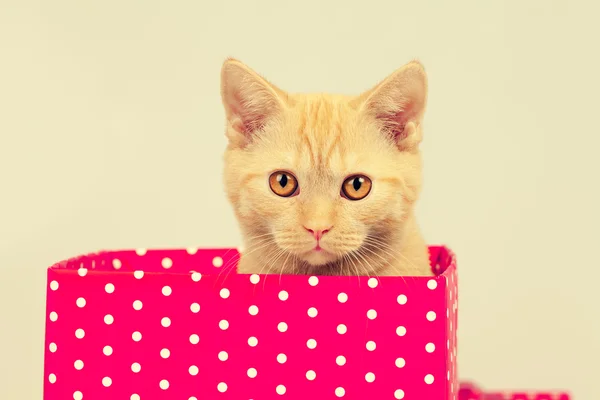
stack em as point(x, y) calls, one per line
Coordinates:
point(250, 101)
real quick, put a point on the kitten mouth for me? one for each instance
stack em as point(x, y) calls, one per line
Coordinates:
point(318, 256)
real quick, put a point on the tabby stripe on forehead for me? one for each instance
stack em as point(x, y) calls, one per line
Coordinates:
point(306, 141)
point(334, 144)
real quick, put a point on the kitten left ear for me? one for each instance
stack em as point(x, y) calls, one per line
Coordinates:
point(398, 104)
point(250, 101)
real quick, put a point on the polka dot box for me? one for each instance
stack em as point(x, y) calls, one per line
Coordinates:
point(182, 325)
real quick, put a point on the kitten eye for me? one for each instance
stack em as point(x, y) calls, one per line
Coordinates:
point(283, 183)
point(356, 187)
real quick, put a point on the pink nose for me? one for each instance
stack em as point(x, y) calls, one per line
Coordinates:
point(318, 233)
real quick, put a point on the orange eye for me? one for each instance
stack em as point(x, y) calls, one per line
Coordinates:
point(283, 183)
point(356, 187)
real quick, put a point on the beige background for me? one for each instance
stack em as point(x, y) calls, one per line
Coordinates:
point(111, 133)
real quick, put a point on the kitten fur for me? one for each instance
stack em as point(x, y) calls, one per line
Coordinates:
point(322, 139)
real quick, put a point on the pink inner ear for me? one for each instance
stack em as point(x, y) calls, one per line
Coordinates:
point(250, 116)
point(394, 123)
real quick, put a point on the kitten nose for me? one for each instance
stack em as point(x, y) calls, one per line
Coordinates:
point(318, 233)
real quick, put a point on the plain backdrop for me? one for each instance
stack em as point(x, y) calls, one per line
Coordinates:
point(112, 132)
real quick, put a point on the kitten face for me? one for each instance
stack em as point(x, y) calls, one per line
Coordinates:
point(319, 183)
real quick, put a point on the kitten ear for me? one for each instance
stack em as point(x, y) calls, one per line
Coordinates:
point(398, 104)
point(250, 101)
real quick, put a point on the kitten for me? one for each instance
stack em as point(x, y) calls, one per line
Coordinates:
point(326, 184)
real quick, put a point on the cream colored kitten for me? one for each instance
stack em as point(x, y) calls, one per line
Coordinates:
point(326, 184)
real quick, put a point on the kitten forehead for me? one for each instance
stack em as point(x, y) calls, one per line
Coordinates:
point(329, 133)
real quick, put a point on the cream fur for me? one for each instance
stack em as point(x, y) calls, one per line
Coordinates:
point(322, 139)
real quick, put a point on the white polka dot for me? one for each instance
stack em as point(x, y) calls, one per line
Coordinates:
point(342, 297)
point(137, 305)
point(280, 390)
point(166, 263)
point(252, 373)
point(109, 319)
point(371, 314)
point(254, 278)
point(311, 375)
point(430, 347)
point(217, 262)
point(80, 302)
point(431, 316)
point(402, 299)
point(281, 358)
point(193, 370)
point(224, 293)
point(82, 272)
point(222, 387)
point(252, 341)
point(448, 344)
point(53, 316)
point(166, 290)
point(196, 276)
point(195, 308)
point(136, 367)
point(164, 384)
point(223, 356)
point(136, 336)
point(340, 360)
point(109, 288)
point(340, 392)
point(52, 347)
point(79, 333)
point(399, 394)
point(141, 252)
point(117, 263)
point(400, 362)
point(373, 282)
point(194, 339)
point(77, 395)
point(52, 378)
point(53, 285)
point(312, 312)
point(165, 353)
point(370, 377)
point(313, 281)
point(311, 344)
point(401, 331)
point(78, 365)
point(342, 329)
point(283, 295)
point(224, 325)
point(432, 284)
point(371, 345)
point(282, 327)
point(138, 274)
point(135, 397)
point(107, 351)
point(429, 379)
point(165, 322)
point(253, 310)
point(106, 381)
point(191, 250)
point(448, 375)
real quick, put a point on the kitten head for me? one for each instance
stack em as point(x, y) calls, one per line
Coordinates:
point(321, 183)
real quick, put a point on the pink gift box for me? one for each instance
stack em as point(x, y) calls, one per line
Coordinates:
point(469, 391)
point(181, 324)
